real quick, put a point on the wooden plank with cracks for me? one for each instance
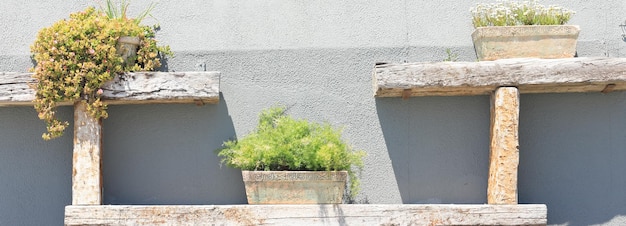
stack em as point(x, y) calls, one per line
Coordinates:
point(311, 215)
point(129, 88)
point(530, 75)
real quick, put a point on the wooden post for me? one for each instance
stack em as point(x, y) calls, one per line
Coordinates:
point(504, 148)
point(87, 160)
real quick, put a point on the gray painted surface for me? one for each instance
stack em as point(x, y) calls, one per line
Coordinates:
point(316, 57)
point(35, 176)
point(573, 156)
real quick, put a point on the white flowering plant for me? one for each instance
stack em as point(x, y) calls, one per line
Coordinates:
point(514, 13)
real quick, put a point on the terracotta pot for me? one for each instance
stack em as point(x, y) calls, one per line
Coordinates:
point(294, 187)
point(127, 48)
point(501, 42)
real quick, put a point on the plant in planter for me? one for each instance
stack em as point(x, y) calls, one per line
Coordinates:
point(126, 45)
point(76, 56)
point(510, 29)
point(280, 158)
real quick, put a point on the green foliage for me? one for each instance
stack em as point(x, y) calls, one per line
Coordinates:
point(512, 13)
point(281, 142)
point(117, 10)
point(76, 56)
point(450, 56)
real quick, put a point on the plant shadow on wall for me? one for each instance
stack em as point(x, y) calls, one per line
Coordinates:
point(438, 147)
point(157, 155)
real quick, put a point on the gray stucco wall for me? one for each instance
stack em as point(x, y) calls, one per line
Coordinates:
point(316, 57)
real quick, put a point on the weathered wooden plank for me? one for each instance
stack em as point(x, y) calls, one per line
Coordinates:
point(14, 88)
point(530, 75)
point(87, 159)
point(130, 88)
point(504, 148)
point(343, 214)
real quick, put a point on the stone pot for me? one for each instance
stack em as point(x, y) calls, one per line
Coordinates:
point(544, 41)
point(127, 49)
point(294, 187)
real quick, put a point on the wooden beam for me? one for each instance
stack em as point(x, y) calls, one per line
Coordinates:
point(504, 148)
point(530, 75)
point(87, 160)
point(343, 214)
point(130, 88)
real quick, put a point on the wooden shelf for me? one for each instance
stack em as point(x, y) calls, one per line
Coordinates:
point(344, 214)
point(130, 88)
point(529, 75)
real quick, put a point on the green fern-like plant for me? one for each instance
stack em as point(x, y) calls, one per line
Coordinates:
point(76, 56)
point(281, 142)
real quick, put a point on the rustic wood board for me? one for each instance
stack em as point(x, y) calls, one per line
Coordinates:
point(130, 88)
point(344, 214)
point(87, 158)
point(504, 147)
point(530, 75)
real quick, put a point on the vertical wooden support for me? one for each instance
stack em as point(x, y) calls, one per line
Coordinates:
point(87, 160)
point(504, 148)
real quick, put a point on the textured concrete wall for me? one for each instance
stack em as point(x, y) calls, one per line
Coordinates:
point(316, 57)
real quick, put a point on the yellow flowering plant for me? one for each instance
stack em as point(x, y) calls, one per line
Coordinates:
point(76, 56)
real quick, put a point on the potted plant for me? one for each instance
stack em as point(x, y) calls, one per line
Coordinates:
point(290, 161)
point(510, 29)
point(126, 45)
point(76, 56)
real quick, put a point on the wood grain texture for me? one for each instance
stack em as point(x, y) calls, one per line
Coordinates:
point(530, 75)
point(14, 88)
point(504, 147)
point(343, 214)
point(129, 88)
point(87, 158)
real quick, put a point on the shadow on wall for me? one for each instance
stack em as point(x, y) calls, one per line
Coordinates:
point(35, 175)
point(439, 147)
point(573, 156)
point(164, 154)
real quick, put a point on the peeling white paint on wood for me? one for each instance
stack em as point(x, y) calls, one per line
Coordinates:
point(14, 89)
point(87, 159)
point(129, 88)
point(530, 75)
point(343, 214)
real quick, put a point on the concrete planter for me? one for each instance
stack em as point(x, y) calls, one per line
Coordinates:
point(127, 48)
point(294, 187)
point(558, 41)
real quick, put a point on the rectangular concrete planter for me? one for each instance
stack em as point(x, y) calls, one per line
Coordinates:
point(294, 187)
point(548, 42)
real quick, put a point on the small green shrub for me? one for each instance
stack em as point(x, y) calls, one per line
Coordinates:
point(281, 142)
point(513, 13)
point(76, 56)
